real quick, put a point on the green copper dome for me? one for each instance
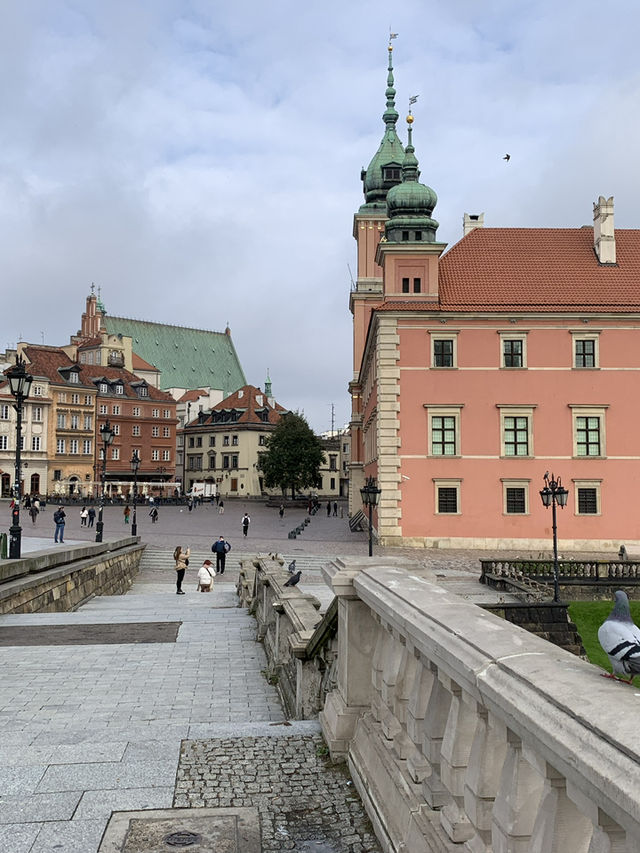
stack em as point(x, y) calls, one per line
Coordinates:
point(384, 169)
point(410, 204)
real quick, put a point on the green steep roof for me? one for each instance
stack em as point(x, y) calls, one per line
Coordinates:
point(188, 358)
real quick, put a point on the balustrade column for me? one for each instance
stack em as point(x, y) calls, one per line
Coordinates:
point(610, 837)
point(393, 653)
point(486, 761)
point(456, 749)
point(559, 825)
point(435, 721)
point(408, 675)
point(417, 764)
point(517, 801)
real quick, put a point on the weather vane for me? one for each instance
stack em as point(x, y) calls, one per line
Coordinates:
point(412, 101)
point(392, 36)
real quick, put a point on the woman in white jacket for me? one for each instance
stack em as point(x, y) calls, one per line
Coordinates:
point(205, 576)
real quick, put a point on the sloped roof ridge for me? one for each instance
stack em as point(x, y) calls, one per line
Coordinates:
point(170, 325)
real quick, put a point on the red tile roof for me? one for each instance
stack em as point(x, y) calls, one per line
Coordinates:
point(192, 396)
point(544, 269)
point(245, 400)
point(139, 363)
point(534, 269)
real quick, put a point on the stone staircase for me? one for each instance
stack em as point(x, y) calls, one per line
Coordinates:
point(161, 560)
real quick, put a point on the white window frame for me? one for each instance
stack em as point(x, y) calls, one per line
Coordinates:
point(74, 446)
point(135, 430)
point(36, 442)
point(155, 432)
point(116, 429)
point(155, 413)
point(155, 455)
point(36, 414)
point(447, 483)
point(449, 335)
point(581, 411)
point(513, 483)
point(75, 399)
point(590, 335)
point(115, 410)
point(4, 412)
point(86, 446)
point(587, 484)
point(507, 410)
point(104, 409)
point(166, 432)
point(115, 454)
point(60, 445)
point(37, 391)
point(166, 455)
point(135, 411)
point(451, 411)
point(4, 442)
point(166, 413)
point(516, 335)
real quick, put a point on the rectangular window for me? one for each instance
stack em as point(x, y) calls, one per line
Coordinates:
point(417, 285)
point(234, 461)
point(37, 391)
point(166, 432)
point(57, 474)
point(443, 436)
point(333, 483)
point(88, 422)
point(212, 460)
point(86, 446)
point(60, 445)
point(104, 388)
point(443, 352)
point(212, 441)
point(4, 442)
point(333, 462)
point(155, 432)
point(35, 442)
point(136, 411)
point(199, 441)
point(87, 399)
point(37, 414)
point(119, 389)
point(75, 421)
point(191, 441)
point(587, 501)
point(62, 396)
point(166, 455)
point(75, 399)
point(166, 413)
point(135, 430)
point(225, 461)
point(588, 436)
point(512, 352)
point(447, 499)
point(155, 456)
point(405, 285)
point(225, 441)
point(261, 440)
point(103, 409)
point(115, 453)
point(4, 412)
point(516, 436)
point(585, 352)
point(515, 500)
point(115, 429)
point(73, 445)
point(115, 410)
point(155, 413)
point(234, 440)
point(62, 421)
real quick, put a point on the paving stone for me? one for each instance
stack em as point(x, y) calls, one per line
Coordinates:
point(18, 838)
point(71, 836)
point(95, 777)
point(100, 804)
point(38, 807)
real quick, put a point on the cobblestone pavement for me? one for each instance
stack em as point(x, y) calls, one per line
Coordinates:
point(305, 802)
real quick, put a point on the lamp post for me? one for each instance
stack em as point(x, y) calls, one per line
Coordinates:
point(20, 385)
point(370, 494)
point(554, 493)
point(135, 464)
point(106, 433)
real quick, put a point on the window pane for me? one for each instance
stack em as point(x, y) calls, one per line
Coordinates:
point(443, 436)
point(588, 436)
point(512, 353)
point(516, 436)
point(443, 353)
point(587, 501)
point(447, 499)
point(516, 502)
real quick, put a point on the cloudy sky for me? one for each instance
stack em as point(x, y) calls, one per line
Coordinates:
point(200, 160)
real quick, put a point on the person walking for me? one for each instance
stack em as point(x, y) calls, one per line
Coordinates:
point(59, 517)
point(126, 513)
point(182, 561)
point(281, 511)
point(84, 514)
point(335, 509)
point(220, 548)
point(328, 508)
point(91, 516)
point(246, 521)
point(205, 576)
point(221, 508)
point(154, 514)
point(33, 511)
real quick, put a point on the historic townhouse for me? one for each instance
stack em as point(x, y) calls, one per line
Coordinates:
point(36, 418)
point(477, 370)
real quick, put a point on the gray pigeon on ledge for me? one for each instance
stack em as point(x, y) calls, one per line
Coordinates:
point(293, 580)
point(619, 636)
point(291, 567)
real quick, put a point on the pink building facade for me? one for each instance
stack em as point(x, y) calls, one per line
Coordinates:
point(478, 369)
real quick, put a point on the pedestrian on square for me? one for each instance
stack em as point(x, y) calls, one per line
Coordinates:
point(27, 502)
point(126, 513)
point(84, 514)
point(59, 517)
point(281, 511)
point(205, 576)
point(91, 515)
point(182, 561)
point(246, 521)
point(328, 508)
point(335, 509)
point(221, 508)
point(36, 503)
point(220, 548)
point(154, 514)
point(33, 511)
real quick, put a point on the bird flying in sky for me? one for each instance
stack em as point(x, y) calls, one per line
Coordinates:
point(507, 157)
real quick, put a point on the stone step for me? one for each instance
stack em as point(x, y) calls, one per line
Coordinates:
point(161, 559)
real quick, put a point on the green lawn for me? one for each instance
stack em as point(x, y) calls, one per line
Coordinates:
point(588, 617)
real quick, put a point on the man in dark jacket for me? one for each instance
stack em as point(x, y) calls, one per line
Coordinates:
point(59, 517)
point(220, 548)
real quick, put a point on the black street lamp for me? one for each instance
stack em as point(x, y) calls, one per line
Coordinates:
point(135, 464)
point(552, 494)
point(20, 384)
point(106, 433)
point(370, 494)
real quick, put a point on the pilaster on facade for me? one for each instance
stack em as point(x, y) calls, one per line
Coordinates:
point(388, 426)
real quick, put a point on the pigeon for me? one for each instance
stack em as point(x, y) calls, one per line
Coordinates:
point(619, 636)
point(507, 157)
point(293, 580)
point(291, 567)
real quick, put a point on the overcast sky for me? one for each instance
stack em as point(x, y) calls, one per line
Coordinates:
point(200, 161)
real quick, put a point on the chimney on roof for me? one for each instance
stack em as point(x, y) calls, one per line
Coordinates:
point(604, 237)
point(471, 221)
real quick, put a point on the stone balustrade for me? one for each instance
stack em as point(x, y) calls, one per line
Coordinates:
point(300, 644)
point(464, 732)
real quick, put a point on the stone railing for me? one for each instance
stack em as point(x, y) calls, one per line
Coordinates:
point(464, 732)
point(542, 570)
point(300, 643)
point(64, 578)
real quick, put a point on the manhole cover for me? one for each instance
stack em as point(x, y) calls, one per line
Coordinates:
point(182, 839)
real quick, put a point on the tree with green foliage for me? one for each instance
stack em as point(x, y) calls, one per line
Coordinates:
point(293, 456)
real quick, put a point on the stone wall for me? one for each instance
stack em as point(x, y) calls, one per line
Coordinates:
point(547, 619)
point(465, 732)
point(300, 644)
point(63, 579)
